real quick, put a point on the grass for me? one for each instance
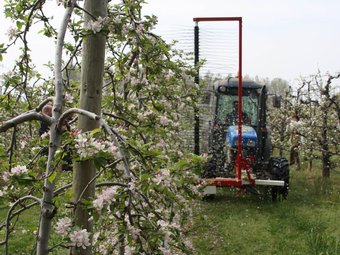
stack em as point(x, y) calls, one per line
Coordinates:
point(241, 223)
point(238, 223)
point(22, 239)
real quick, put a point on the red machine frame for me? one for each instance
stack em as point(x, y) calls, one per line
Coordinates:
point(241, 162)
point(239, 159)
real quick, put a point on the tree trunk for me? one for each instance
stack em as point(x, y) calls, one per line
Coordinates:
point(47, 207)
point(92, 72)
point(326, 164)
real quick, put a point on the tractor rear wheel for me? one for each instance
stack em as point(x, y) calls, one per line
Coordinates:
point(279, 169)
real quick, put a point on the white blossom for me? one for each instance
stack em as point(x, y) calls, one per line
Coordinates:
point(139, 28)
point(164, 121)
point(11, 33)
point(80, 238)
point(97, 25)
point(140, 116)
point(23, 144)
point(63, 225)
point(69, 97)
point(125, 30)
point(117, 19)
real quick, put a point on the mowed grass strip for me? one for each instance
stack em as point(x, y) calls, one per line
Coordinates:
point(242, 223)
point(308, 222)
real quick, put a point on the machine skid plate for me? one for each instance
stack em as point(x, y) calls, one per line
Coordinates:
point(235, 182)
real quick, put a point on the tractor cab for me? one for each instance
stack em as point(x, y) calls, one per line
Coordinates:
point(255, 139)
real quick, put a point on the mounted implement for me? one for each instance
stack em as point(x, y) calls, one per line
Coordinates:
point(240, 142)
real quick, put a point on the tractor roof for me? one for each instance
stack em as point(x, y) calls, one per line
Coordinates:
point(233, 83)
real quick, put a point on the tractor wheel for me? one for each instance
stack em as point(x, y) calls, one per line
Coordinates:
point(279, 169)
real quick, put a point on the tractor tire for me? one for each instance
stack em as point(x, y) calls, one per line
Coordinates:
point(279, 170)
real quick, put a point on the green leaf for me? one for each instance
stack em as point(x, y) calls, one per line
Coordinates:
point(19, 25)
point(52, 177)
point(99, 162)
point(95, 131)
point(18, 8)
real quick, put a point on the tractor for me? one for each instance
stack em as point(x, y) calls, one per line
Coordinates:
point(244, 161)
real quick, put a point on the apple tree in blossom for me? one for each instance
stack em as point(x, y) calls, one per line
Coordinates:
point(316, 101)
point(143, 173)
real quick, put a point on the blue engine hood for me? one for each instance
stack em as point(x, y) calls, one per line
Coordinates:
point(249, 136)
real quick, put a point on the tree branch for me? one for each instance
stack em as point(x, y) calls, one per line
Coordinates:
point(27, 116)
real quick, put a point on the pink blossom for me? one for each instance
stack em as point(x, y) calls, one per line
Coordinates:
point(99, 146)
point(135, 232)
point(5, 176)
point(44, 135)
point(106, 196)
point(165, 250)
point(111, 148)
point(18, 170)
point(162, 223)
point(63, 225)
point(81, 140)
point(80, 238)
point(95, 26)
point(69, 97)
point(98, 204)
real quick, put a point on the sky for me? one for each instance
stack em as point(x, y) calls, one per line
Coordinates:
point(281, 39)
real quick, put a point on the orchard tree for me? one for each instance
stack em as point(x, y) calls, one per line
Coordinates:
point(316, 102)
point(278, 117)
point(131, 182)
point(321, 110)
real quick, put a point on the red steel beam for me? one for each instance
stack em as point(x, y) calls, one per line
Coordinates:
point(239, 147)
point(218, 19)
point(223, 182)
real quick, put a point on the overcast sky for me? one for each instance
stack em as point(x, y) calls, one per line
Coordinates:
point(282, 39)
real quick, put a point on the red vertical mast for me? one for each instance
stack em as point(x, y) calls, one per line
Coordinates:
point(239, 147)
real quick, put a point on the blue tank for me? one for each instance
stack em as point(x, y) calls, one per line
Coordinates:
point(249, 136)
